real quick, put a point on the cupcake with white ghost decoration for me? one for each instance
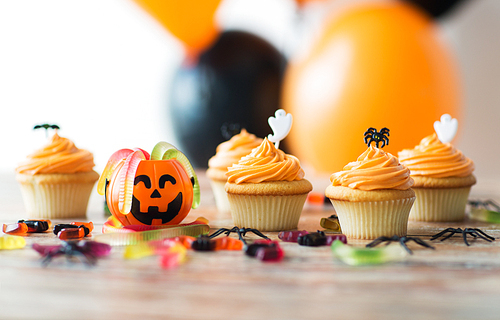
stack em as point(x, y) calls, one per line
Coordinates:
point(227, 154)
point(442, 174)
point(266, 188)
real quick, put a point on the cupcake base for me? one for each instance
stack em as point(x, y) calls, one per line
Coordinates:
point(266, 213)
point(220, 195)
point(440, 205)
point(372, 219)
point(57, 196)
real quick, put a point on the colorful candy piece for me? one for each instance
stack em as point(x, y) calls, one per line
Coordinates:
point(89, 225)
point(175, 256)
point(330, 223)
point(355, 256)
point(138, 251)
point(73, 233)
point(228, 243)
point(265, 250)
point(320, 239)
point(485, 215)
point(291, 236)
point(36, 226)
point(27, 226)
point(15, 228)
point(8, 242)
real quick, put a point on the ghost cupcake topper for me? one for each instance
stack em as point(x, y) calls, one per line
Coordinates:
point(372, 135)
point(446, 129)
point(281, 124)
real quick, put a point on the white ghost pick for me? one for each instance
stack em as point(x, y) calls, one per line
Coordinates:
point(446, 129)
point(281, 124)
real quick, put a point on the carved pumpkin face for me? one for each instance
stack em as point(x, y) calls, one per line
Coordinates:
point(162, 193)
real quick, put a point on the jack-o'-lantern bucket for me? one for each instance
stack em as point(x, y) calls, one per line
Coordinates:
point(159, 189)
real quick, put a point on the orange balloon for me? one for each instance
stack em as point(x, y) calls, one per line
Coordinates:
point(374, 65)
point(191, 21)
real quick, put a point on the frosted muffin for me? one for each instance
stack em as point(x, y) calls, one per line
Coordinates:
point(56, 181)
point(267, 190)
point(443, 179)
point(227, 154)
point(372, 196)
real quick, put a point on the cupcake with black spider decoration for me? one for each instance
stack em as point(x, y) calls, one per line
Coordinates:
point(442, 174)
point(57, 180)
point(227, 154)
point(372, 196)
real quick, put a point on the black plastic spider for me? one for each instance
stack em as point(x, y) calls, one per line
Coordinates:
point(401, 240)
point(487, 204)
point(371, 135)
point(474, 232)
point(87, 251)
point(240, 231)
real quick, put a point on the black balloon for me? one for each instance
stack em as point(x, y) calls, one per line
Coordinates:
point(236, 83)
point(435, 8)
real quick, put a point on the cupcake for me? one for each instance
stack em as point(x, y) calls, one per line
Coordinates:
point(443, 179)
point(266, 189)
point(372, 196)
point(227, 154)
point(56, 181)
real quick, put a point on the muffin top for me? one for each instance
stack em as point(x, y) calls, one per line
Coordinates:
point(232, 150)
point(60, 155)
point(374, 169)
point(264, 164)
point(434, 159)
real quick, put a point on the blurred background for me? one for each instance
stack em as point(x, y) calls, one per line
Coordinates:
point(129, 73)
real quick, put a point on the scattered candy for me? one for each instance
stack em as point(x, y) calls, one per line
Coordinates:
point(115, 235)
point(8, 242)
point(487, 211)
point(331, 223)
point(355, 256)
point(174, 257)
point(320, 239)
point(265, 250)
point(27, 226)
point(291, 236)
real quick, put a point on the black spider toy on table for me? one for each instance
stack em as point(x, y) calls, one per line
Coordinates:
point(402, 240)
point(474, 232)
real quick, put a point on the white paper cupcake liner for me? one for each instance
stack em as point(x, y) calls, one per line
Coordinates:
point(373, 219)
point(443, 205)
point(266, 213)
point(56, 200)
point(220, 195)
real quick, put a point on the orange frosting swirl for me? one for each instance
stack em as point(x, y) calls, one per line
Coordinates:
point(231, 151)
point(265, 163)
point(432, 158)
point(374, 170)
point(59, 156)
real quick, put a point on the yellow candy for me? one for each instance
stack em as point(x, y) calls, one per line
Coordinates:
point(9, 242)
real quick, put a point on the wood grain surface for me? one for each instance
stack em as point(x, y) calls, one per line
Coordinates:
point(451, 282)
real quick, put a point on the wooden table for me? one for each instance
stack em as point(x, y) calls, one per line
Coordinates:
point(451, 282)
